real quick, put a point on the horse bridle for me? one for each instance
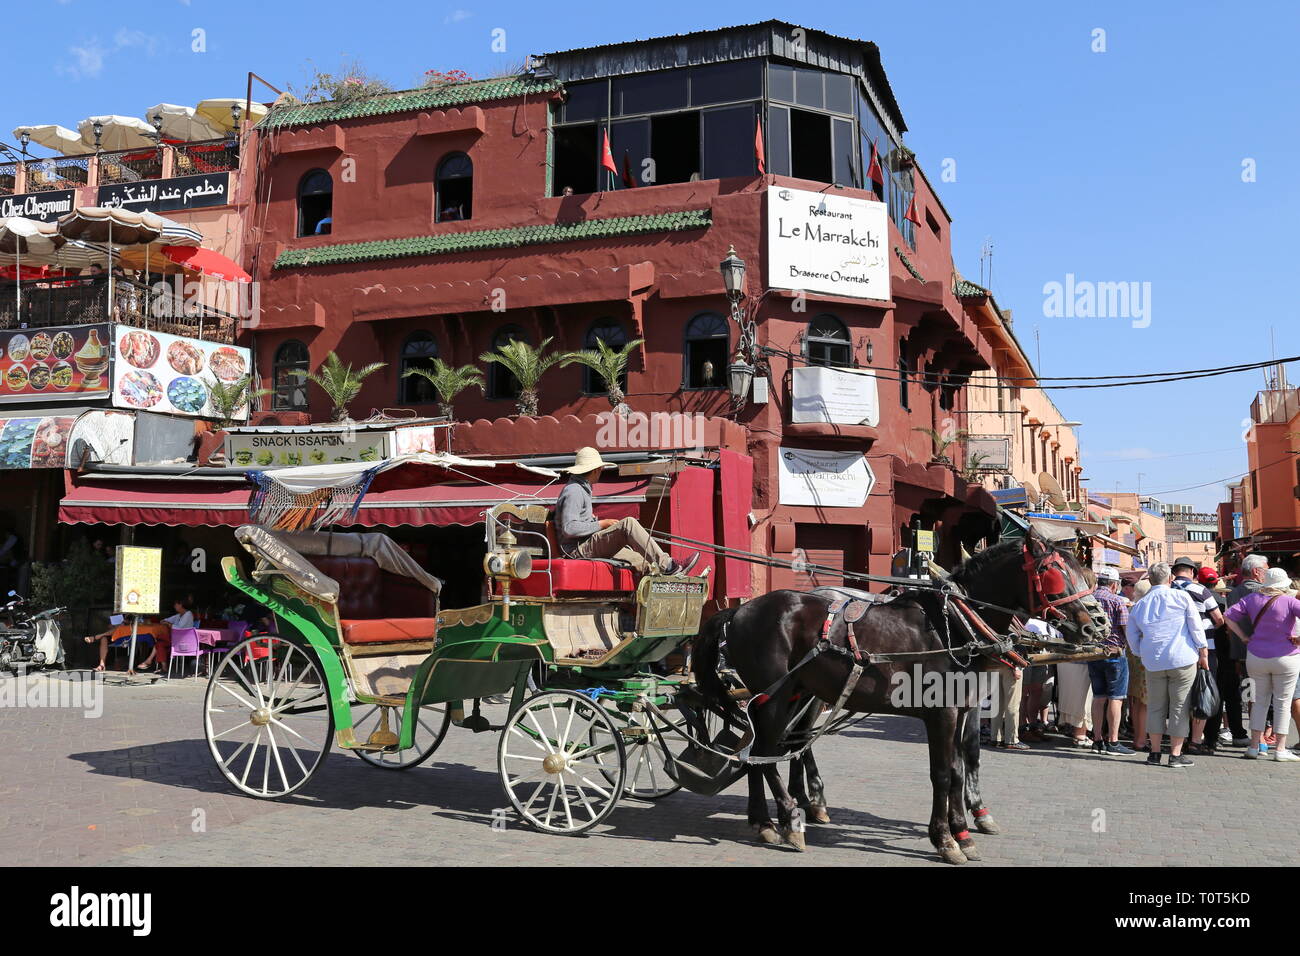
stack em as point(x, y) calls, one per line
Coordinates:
point(1049, 580)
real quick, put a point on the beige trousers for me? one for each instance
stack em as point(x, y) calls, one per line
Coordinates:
point(1167, 701)
point(1074, 695)
point(628, 541)
point(1005, 724)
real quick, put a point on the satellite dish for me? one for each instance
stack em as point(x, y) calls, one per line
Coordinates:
point(1052, 488)
point(1031, 494)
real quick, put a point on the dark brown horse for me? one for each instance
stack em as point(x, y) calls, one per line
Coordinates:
point(764, 639)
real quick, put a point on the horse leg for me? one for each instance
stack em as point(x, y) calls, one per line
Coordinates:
point(970, 748)
point(940, 731)
point(785, 807)
point(805, 781)
point(957, 794)
point(759, 820)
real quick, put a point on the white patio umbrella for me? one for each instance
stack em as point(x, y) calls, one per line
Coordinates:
point(114, 227)
point(182, 123)
point(52, 136)
point(117, 132)
point(217, 112)
point(21, 237)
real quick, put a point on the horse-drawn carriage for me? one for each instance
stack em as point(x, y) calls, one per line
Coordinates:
point(365, 657)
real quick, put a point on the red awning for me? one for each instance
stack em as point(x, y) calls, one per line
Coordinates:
point(196, 503)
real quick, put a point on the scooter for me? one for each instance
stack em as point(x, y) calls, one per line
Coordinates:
point(28, 640)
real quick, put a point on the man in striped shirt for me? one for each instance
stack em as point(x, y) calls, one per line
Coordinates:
point(1185, 571)
point(1110, 676)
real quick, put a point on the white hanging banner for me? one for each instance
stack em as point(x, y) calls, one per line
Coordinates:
point(841, 396)
point(827, 479)
point(820, 242)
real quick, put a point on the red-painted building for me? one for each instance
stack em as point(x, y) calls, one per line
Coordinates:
point(439, 222)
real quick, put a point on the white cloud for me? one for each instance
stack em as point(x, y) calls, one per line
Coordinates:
point(456, 16)
point(88, 56)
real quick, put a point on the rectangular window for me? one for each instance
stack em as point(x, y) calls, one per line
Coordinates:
point(808, 88)
point(675, 145)
point(903, 376)
point(727, 82)
point(810, 139)
point(728, 141)
point(651, 92)
point(575, 158)
point(839, 93)
point(630, 140)
point(780, 82)
point(586, 101)
point(843, 146)
point(778, 141)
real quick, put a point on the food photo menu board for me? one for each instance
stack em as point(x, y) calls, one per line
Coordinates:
point(158, 372)
point(61, 362)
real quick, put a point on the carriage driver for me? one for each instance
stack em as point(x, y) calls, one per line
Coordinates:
point(582, 535)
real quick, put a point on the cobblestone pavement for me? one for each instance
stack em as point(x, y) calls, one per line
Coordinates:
point(137, 787)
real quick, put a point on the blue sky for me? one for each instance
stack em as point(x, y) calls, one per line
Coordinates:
point(1117, 166)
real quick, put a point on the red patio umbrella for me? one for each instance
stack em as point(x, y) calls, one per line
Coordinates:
point(206, 261)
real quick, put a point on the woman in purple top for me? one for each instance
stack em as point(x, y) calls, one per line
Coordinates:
point(1263, 620)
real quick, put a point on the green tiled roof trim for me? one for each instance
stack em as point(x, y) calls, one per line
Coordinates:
point(907, 263)
point(456, 242)
point(405, 101)
point(965, 289)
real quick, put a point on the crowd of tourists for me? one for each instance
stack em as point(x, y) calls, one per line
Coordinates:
point(1166, 627)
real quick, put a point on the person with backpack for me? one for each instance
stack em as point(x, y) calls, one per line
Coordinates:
point(1185, 572)
point(1263, 621)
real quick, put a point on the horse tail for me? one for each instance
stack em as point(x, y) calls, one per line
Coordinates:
point(704, 662)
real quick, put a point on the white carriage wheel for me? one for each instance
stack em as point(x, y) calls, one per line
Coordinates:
point(431, 723)
point(562, 762)
point(267, 719)
point(646, 777)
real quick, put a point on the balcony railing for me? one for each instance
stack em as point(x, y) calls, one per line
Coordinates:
point(130, 166)
point(212, 156)
point(85, 299)
point(8, 178)
point(62, 172)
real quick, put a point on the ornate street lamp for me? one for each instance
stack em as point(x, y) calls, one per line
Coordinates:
point(24, 138)
point(733, 277)
point(235, 113)
point(98, 127)
point(740, 377)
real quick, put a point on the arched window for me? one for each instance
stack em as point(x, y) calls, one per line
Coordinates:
point(418, 351)
point(612, 334)
point(316, 204)
point(707, 343)
point(454, 192)
point(827, 342)
point(501, 383)
point(289, 376)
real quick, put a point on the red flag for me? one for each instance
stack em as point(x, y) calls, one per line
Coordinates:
point(912, 215)
point(628, 179)
point(607, 157)
point(874, 173)
point(758, 147)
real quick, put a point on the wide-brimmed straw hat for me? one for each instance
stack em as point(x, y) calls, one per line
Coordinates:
point(586, 460)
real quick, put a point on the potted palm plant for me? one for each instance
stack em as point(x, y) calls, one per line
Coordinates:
point(941, 441)
point(448, 381)
point(609, 364)
point(341, 382)
point(229, 398)
point(527, 365)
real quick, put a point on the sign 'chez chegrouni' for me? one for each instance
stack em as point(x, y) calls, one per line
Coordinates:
point(820, 242)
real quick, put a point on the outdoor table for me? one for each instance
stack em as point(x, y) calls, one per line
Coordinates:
point(215, 636)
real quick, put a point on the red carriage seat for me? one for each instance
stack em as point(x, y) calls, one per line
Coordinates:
point(376, 607)
point(575, 576)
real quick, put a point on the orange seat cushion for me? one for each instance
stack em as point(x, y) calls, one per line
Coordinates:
point(387, 630)
point(574, 576)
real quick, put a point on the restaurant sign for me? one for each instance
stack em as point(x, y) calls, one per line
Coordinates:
point(827, 479)
point(167, 195)
point(138, 581)
point(316, 447)
point(158, 372)
point(43, 207)
point(61, 363)
point(818, 242)
point(842, 396)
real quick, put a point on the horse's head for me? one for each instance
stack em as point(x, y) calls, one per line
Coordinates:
point(1060, 592)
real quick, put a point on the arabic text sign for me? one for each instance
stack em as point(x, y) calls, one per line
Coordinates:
point(824, 394)
point(169, 373)
point(823, 243)
point(165, 195)
point(61, 363)
point(138, 585)
point(827, 479)
point(43, 207)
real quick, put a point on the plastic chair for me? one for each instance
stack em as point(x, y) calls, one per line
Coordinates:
point(185, 643)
